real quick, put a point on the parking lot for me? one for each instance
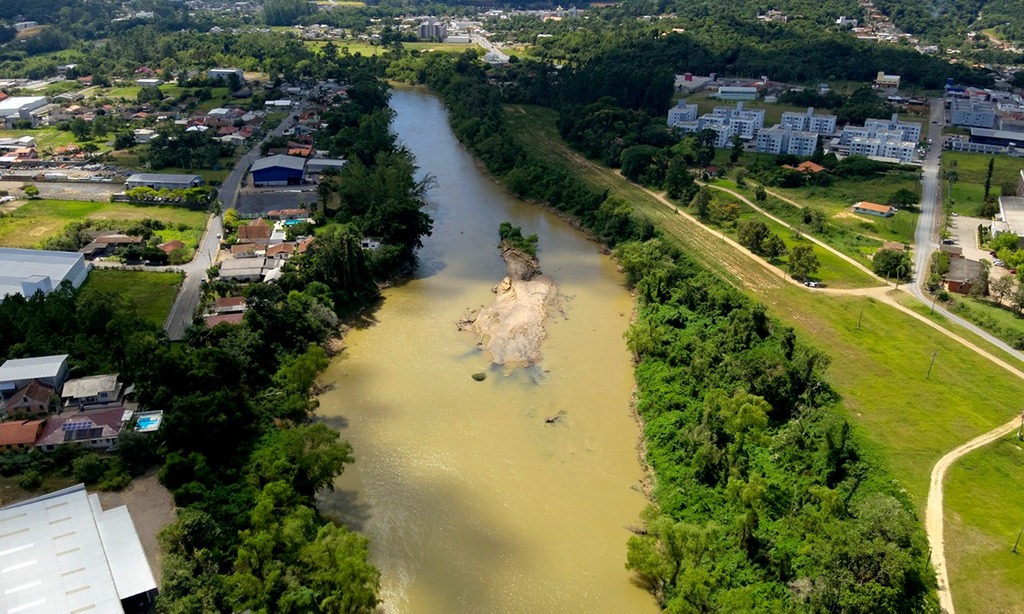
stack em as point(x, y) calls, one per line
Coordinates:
point(965, 236)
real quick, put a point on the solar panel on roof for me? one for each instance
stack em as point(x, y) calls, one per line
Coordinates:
point(76, 425)
point(83, 434)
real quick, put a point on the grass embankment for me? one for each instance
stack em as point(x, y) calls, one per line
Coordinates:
point(38, 220)
point(968, 192)
point(45, 137)
point(880, 369)
point(984, 514)
point(152, 292)
point(537, 127)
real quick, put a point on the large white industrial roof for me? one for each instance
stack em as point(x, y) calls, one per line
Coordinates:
point(15, 103)
point(62, 553)
point(17, 265)
point(18, 369)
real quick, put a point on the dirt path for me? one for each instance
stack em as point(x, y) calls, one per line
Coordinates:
point(786, 224)
point(151, 507)
point(933, 518)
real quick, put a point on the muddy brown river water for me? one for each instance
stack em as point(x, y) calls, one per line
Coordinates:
point(472, 502)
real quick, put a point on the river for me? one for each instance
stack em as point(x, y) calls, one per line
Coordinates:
point(472, 502)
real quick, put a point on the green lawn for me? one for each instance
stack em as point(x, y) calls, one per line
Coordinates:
point(838, 199)
point(1000, 321)
point(151, 292)
point(364, 48)
point(984, 514)
point(909, 420)
point(38, 220)
point(45, 137)
point(968, 192)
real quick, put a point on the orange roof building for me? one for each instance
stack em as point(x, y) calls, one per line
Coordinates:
point(874, 209)
point(20, 434)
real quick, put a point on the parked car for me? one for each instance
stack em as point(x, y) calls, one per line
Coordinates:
point(998, 262)
point(812, 284)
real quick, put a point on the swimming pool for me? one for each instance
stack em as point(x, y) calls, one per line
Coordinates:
point(148, 422)
point(293, 222)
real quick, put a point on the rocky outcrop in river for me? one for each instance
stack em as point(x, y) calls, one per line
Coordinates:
point(512, 328)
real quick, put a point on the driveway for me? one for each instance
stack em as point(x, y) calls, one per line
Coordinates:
point(965, 233)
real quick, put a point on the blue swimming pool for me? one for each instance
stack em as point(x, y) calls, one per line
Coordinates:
point(145, 423)
point(293, 222)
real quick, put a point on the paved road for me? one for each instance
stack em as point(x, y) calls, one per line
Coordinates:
point(926, 236)
point(195, 272)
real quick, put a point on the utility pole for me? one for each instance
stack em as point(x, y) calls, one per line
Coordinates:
point(861, 317)
point(1018, 541)
point(931, 364)
point(933, 302)
point(1020, 429)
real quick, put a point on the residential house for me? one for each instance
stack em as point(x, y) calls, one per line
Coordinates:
point(94, 392)
point(17, 373)
point(170, 246)
point(229, 304)
point(95, 429)
point(257, 231)
point(34, 398)
point(20, 434)
point(225, 318)
point(107, 245)
point(874, 209)
point(962, 275)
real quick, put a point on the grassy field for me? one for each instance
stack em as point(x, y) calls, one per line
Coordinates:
point(984, 514)
point(152, 292)
point(836, 201)
point(909, 420)
point(968, 192)
point(364, 48)
point(1000, 321)
point(38, 220)
point(772, 111)
point(45, 137)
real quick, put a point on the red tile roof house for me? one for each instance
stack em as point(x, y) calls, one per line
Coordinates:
point(229, 304)
point(20, 434)
point(874, 209)
point(224, 318)
point(97, 429)
point(170, 246)
point(34, 399)
point(254, 231)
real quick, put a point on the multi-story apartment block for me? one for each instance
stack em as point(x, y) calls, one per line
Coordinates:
point(781, 139)
point(682, 112)
point(810, 121)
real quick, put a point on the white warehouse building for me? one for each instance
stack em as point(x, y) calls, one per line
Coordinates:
point(27, 271)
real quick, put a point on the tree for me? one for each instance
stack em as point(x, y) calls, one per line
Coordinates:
point(988, 176)
point(737, 149)
point(773, 246)
point(760, 194)
point(679, 182)
point(903, 199)
point(31, 191)
point(1002, 287)
point(702, 204)
point(751, 234)
point(802, 262)
point(892, 263)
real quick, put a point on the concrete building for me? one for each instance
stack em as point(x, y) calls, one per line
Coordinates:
point(810, 121)
point(781, 139)
point(225, 74)
point(21, 108)
point(161, 181)
point(432, 30)
point(17, 373)
point(874, 209)
point(62, 552)
point(27, 271)
point(742, 122)
point(887, 83)
point(278, 170)
point(976, 113)
point(690, 83)
point(911, 130)
point(682, 112)
point(885, 144)
point(94, 391)
point(735, 92)
point(320, 165)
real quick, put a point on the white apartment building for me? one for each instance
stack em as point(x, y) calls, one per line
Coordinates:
point(781, 139)
point(885, 144)
point(744, 122)
point(682, 112)
point(977, 113)
point(810, 121)
point(911, 130)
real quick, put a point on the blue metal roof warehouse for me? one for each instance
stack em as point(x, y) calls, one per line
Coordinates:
point(278, 170)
